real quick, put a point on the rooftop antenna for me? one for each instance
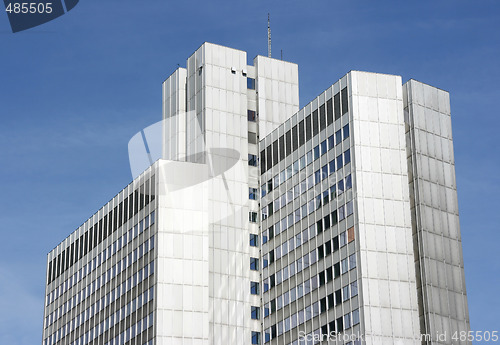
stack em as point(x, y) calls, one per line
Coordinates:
point(268, 36)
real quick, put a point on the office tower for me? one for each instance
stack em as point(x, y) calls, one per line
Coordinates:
point(265, 224)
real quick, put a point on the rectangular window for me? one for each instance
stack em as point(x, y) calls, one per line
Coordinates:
point(252, 138)
point(316, 152)
point(252, 115)
point(252, 193)
point(355, 317)
point(255, 313)
point(345, 105)
point(352, 261)
point(338, 137)
point(347, 321)
point(347, 156)
point(323, 147)
point(282, 147)
point(288, 142)
point(340, 162)
point(322, 119)
point(255, 338)
point(345, 265)
point(251, 83)
point(254, 240)
point(345, 293)
point(315, 122)
point(354, 288)
point(302, 133)
point(254, 288)
point(345, 130)
point(269, 157)
point(252, 217)
point(295, 139)
point(254, 264)
point(350, 234)
point(275, 152)
point(252, 160)
point(348, 182)
point(331, 167)
point(336, 101)
point(329, 111)
point(308, 128)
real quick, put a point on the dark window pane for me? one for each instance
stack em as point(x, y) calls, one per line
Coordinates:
point(275, 153)
point(329, 111)
point(302, 133)
point(252, 116)
point(322, 118)
point(345, 105)
point(269, 158)
point(263, 161)
point(282, 147)
point(288, 142)
point(315, 122)
point(308, 128)
point(295, 138)
point(336, 106)
point(251, 83)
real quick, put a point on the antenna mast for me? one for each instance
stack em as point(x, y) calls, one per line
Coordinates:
point(268, 36)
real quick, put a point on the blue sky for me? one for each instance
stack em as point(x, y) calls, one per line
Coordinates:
point(75, 90)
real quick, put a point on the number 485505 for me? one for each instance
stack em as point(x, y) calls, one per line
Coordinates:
point(29, 7)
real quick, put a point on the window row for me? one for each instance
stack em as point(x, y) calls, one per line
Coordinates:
point(133, 331)
point(118, 292)
point(322, 334)
point(313, 203)
point(335, 298)
point(329, 220)
point(102, 280)
point(318, 151)
point(304, 130)
point(302, 263)
point(106, 254)
point(129, 207)
point(331, 246)
point(339, 325)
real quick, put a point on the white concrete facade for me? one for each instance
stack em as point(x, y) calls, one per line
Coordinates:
point(266, 224)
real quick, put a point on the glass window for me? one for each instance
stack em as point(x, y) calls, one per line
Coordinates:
point(355, 317)
point(255, 313)
point(340, 162)
point(346, 131)
point(331, 166)
point(349, 208)
point(302, 162)
point(354, 288)
point(265, 236)
point(252, 138)
point(252, 160)
point(345, 293)
point(255, 338)
point(252, 217)
point(309, 157)
point(254, 240)
point(263, 189)
point(345, 266)
point(254, 288)
point(316, 152)
point(323, 147)
point(254, 264)
point(324, 172)
point(252, 116)
point(295, 167)
point(340, 187)
point(352, 261)
point(338, 137)
point(331, 142)
point(251, 83)
point(347, 321)
point(348, 182)
point(347, 156)
point(252, 193)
